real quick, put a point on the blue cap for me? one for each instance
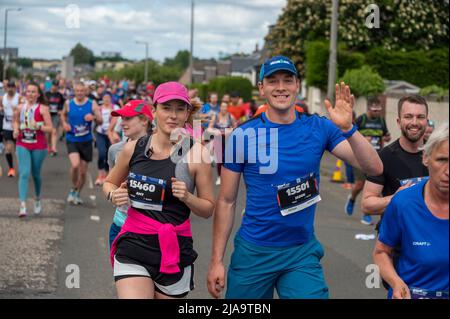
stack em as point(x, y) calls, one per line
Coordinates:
point(277, 63)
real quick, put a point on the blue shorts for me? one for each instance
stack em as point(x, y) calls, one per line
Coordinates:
point(295, 271)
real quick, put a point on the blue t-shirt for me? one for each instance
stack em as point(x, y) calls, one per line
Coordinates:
point(81, 129)
point(272, 155)
point(422, 237)
point(206, 108)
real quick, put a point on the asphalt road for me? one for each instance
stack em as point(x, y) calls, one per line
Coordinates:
point(64, 252)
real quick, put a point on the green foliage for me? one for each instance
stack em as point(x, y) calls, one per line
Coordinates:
point(435, 90)
point(347, 60)
point(180, 61)
point(24, 62)
point(317, 54)
point(419, 67)
point(364, 81)
point(403, 25)
point(228, 84)
point(82, 55)
point(11, 73)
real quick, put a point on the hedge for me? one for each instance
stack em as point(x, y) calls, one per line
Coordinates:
point(418, 67)
point(316, 66)
point(421, 68)
point(317, 55)
point(229, 84)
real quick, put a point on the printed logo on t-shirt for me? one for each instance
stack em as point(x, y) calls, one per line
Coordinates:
point(414, 181)
point(421, 243)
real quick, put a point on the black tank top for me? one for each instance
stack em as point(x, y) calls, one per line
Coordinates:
point(144, 249)
point(174, 211)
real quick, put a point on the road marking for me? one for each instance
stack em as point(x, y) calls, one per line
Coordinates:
point(91, 183)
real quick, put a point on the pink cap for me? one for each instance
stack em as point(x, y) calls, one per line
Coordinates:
point(171, 91)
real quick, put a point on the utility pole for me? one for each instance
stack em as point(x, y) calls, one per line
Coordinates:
point(191, 57)
point(333, 50)
point(146, 60)
point(5, 54)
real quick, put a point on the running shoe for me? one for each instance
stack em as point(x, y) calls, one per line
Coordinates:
point(71, 197)
point(37, 207)
point(78, 200)
point(53, 153)
point(218, 181)
point(23, 210)
point(349, 205)
point(11, 172)
point(367, 220)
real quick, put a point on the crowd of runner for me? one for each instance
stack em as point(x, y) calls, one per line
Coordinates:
point(155, 167)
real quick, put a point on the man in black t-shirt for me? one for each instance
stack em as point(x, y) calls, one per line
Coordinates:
point(402, 160)
point(55, 103)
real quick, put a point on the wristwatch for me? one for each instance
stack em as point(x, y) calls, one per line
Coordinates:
point(109, 197)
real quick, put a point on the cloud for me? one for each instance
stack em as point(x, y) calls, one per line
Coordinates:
point(40, 30)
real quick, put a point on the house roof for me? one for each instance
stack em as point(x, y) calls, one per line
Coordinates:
point(401, 86)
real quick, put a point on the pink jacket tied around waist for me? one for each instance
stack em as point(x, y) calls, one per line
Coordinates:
point(167, 236)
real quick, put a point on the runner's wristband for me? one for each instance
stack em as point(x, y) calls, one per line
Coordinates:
point(351, 132)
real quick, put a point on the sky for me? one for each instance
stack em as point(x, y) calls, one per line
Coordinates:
point(49, 29)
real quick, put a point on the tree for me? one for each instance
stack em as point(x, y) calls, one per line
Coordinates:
point(25, 62)
point(82, 55)
point(404, 25)
point(180, 61)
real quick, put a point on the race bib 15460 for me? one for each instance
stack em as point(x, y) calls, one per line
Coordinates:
point(146, 192)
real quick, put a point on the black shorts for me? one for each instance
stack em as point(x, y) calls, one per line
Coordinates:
point(8, 135)
point(140, 256)
point(55, 120)
point(173, 285)
point(85, 150)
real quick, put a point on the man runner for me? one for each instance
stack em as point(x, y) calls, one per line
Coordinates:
point(276, 246)
point(77, 117)
point(55, 103)
point(8, 104)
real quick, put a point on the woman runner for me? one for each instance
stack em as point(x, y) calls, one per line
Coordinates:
point(153, 255)
point(31, 121)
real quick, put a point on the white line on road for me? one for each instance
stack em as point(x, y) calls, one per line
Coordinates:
point(91, 183)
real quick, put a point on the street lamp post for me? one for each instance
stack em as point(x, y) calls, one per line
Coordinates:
point(191, 57)
point(4, 40)
point(146, 59)
point(333, 50)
